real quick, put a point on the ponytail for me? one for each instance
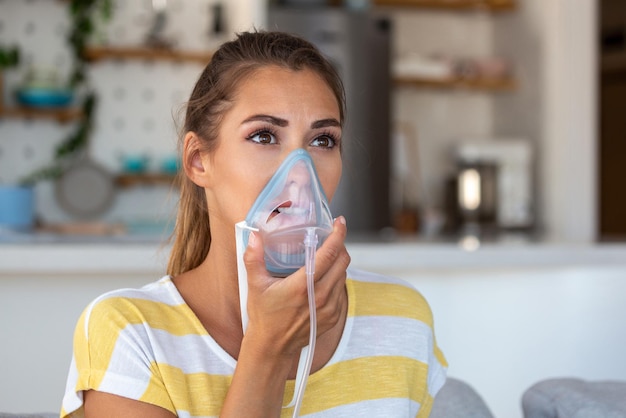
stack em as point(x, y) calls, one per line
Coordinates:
point(192, 234)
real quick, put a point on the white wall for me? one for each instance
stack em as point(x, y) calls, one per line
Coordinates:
point(43, 290)
point(569, 162)
point(37, 318)
point(504, 330)
point(553, 44)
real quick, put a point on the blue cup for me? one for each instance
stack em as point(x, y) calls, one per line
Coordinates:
point(17, 207)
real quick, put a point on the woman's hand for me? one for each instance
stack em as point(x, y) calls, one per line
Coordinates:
point(278, 325)
point(278, 308)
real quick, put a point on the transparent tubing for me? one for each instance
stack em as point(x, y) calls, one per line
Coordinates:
point(310, 245)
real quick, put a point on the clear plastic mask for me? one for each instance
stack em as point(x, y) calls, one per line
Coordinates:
point(291, 202)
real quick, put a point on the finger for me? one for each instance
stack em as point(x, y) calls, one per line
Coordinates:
point(330, 299)
point(330, 287)
point(332, 250)
point(332, 282)
point(253, 257)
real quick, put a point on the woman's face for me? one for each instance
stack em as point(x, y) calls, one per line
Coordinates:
point(275, 111)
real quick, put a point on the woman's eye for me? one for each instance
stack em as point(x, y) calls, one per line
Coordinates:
point(324, 141)
point(263, 137)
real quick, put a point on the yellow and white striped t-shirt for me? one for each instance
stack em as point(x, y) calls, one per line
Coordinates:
point(147, 344)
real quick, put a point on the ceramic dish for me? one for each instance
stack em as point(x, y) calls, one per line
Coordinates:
point(85, 190)
point(38, 97)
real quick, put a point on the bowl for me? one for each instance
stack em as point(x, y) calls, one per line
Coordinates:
point(44, 97)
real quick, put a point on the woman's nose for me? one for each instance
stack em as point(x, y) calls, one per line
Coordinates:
point(299, 175)
point(298, 184)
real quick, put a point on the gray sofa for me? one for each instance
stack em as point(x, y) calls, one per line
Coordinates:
point(575, 398)
point(457, 399)
point(550, 398)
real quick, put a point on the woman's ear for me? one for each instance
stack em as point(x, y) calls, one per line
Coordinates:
point(194, 160)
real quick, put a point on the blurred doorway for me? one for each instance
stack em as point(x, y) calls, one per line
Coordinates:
point(612, 121)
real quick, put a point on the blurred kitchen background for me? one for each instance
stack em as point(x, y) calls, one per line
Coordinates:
point(494, 124)
point(465, 116)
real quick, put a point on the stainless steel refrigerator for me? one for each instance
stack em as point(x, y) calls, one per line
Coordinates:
point(358, 45)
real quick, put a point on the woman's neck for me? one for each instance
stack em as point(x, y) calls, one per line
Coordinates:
point(211, 291)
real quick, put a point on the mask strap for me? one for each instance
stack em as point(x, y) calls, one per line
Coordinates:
point(242, 274)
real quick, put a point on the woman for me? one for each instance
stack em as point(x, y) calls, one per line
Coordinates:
point(176, 347)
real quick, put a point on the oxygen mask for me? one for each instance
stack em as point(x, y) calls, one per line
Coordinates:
point(292, 203)
point(292, 215)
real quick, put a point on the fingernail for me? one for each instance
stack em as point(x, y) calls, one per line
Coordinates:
point(252, 239)
point(342, 220)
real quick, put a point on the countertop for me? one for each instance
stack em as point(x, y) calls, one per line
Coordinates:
point(53, 254)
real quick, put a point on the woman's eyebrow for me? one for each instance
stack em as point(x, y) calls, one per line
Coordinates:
point(267, 118)
point(323, 123)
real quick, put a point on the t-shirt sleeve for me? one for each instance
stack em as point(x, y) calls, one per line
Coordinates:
point(437, 363)
point(112, 353)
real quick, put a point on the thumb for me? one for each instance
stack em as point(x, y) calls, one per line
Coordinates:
point(254, 257)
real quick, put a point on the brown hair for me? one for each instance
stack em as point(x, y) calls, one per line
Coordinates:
point(211, 97)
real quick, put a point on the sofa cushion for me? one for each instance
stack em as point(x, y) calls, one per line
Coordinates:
point(457, 399)
point(575, 398)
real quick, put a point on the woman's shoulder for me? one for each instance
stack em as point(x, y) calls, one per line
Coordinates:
point(382, 282)
point(371, 277)
point(162, 290)
point(386, 295)
point(134, 304)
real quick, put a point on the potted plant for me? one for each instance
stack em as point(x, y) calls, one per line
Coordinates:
point(18, 200)
point(82, 13)
point(16, 210)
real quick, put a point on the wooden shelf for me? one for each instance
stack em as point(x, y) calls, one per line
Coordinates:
point(103, 53)
point(60, 114)
point(504, 84)
point(490, 5)
point(145, 179)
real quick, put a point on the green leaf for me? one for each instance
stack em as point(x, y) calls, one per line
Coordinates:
point(82, 26)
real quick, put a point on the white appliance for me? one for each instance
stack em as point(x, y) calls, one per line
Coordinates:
point(513, 158)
